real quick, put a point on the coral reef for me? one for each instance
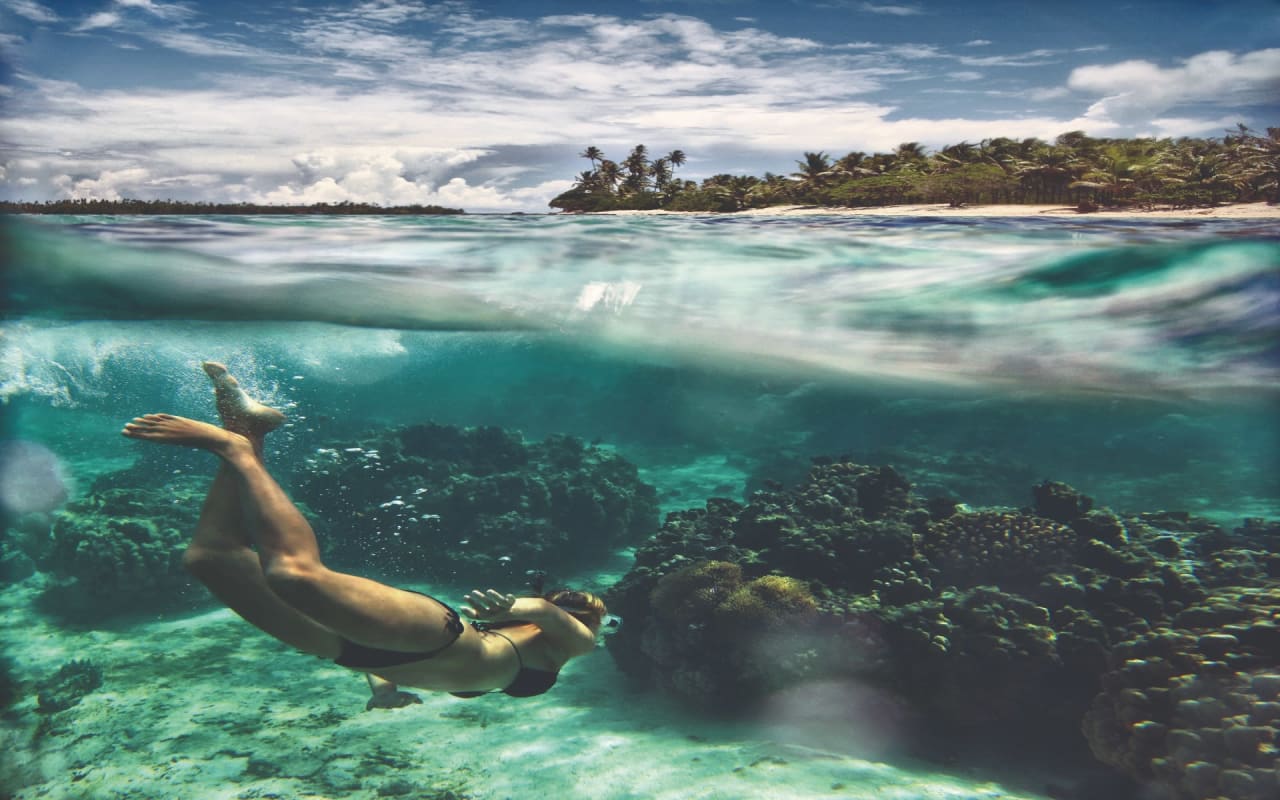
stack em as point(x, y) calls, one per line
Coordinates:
point(67, 686)
point(1156, 634)
point(119, 550)
point(444, 503)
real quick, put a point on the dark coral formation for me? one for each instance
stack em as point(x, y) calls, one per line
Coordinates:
point(1157, 635)
point(8, 684)
point(710, 607)
point(67, 686)
point(438, 502)
point(119, 549)
point(1001, 547)
point(1194, 702)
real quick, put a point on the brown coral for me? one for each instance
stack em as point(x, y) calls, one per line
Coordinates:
point(714, 637)
point(998, 547)
point(765, 603)
point(1195, 705)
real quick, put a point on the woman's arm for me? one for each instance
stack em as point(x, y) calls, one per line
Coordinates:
point(560, 626)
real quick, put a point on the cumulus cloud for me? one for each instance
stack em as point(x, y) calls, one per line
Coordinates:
point(1136, 92)
point(109, 184)
point(371, 175)
point(388, 178)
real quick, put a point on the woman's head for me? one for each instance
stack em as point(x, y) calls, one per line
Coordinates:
point(582, 606)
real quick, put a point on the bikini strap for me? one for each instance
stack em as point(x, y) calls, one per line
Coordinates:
point(519, 660)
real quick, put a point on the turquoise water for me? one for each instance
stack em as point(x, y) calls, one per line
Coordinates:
point(1136, 361)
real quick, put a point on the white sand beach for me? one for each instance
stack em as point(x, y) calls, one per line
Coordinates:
point(1261, 211)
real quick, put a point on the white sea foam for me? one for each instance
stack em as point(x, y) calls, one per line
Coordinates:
point(64, 363)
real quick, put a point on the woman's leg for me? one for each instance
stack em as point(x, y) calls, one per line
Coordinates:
point(355, 608)
point(220, 557)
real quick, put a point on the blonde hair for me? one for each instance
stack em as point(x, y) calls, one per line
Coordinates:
point(585, 607)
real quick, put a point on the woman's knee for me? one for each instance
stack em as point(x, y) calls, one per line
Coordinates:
point(203, 562)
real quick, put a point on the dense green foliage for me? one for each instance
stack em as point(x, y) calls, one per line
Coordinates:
point(127, 206)
point(1074, 169)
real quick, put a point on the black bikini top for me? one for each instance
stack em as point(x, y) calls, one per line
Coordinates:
point(528, 681)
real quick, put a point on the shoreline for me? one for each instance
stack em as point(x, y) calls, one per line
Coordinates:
point(1260, 211)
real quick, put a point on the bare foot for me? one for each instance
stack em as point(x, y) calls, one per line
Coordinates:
point(168, 429)
point(240, 412)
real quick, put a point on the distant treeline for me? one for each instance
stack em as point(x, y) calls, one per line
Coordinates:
point(1074, 169)
point(180, 207)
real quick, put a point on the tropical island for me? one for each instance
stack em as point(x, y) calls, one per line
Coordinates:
point(155, 207)
point(1075, 169)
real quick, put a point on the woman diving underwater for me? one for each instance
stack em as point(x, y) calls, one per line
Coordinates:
point(257, 554)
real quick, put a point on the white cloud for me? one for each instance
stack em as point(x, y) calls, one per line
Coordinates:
point(32, 10)
point(112, 17)
point(1136, 92)
point(897, 11)
point(107, 186)
point(198, 45)
point(162, 10)
point(977, 43)
point(1034, 58)
point(402, 179)
point(102, 19)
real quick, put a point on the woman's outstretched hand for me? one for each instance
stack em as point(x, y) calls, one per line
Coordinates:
point(491, 605)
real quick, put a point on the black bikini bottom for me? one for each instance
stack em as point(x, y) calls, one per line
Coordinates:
point(359, 656)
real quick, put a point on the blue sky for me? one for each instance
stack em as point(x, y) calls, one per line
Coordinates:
point(486, 105)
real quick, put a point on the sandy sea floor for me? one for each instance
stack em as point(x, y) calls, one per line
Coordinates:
point(206, 707)
point(1236, 211)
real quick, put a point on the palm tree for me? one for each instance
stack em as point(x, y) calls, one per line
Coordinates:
point(955, 155)
point(593, 154)
point(660, 169)
point(1049, 171)
point(1193, 173)
point(814, 171)
point(1254, 161)
point(852, 165)
point(909, 156)
point(732, 191)
point(609, 174)
point(637, 166)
